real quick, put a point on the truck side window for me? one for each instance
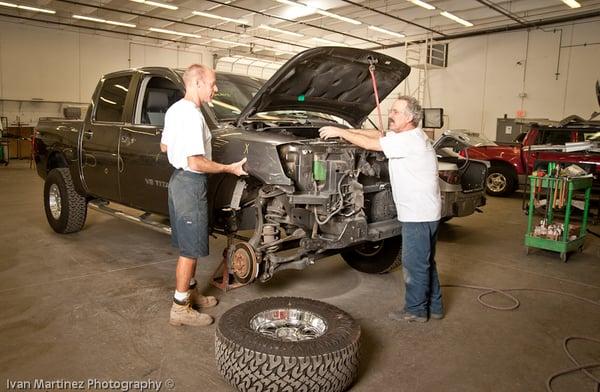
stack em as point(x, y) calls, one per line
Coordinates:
point(112, 99)
point(159, 94)
point(555, 137)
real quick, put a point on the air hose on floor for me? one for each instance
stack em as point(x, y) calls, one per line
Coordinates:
point(504, 292)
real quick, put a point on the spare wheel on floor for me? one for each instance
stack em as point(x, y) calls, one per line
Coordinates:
point(287, 344)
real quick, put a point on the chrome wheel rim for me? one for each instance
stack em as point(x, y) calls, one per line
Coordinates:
point(496, 182)
point(290, 325)
point(54, 201)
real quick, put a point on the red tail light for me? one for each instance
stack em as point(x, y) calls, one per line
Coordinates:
point(450, 176)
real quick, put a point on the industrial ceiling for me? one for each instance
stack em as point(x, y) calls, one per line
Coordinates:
point(278, 29)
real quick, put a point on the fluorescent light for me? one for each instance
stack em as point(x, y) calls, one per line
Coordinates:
point(265, 27)
point(456, 19)
point(320, 11)
point(572, 3)
point(382, 30)
point(165, 31)
point(98, 20)
point(294, 4)
point(157, 4)
point(46, 11)
point(28, 8)
point(224, 41)
point(422, 4)
point(213, 16)
point(112, 22)
point(89, 18)
point(328, 42)
point(339, 17)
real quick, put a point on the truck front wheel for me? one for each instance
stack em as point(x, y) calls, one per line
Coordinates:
point(376, 257)
point(500, 181)
point(66, 209)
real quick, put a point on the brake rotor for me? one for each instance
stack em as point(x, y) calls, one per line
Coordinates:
point(243, 263)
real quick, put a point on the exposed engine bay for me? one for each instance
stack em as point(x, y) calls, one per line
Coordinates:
point(340, 197)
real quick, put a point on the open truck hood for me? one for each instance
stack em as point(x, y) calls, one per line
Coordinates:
point(331, 80)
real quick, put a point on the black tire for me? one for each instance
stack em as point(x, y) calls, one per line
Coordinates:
point(252, 361)
point(70, 215)
point(500, 181)
point(375, 257)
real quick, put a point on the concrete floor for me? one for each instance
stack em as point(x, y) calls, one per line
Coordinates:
point(95, 304)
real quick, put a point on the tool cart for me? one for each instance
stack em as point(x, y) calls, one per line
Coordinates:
point(558, 191)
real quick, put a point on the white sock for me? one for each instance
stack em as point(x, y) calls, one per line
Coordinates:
point(181, 296)
point(192, 281)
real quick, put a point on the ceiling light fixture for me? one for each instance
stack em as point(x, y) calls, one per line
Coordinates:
point(275, 29)
point(165, 31)
point(338, 17)
point(157, 4)
point(213, 16)
point(98, 20)
point(382, 30)
point(422, 4)
point(28, 8)
point(224, 41)
point(320, 11)
point(572, 3)
point(294, 4)
point(455, 18)
point(328, 42)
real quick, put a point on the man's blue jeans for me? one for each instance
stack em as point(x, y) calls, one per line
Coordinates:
point(423, 294)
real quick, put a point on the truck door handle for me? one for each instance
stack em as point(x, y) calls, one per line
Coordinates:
point(125, 139)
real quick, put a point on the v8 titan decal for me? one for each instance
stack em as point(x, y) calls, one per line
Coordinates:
point(156, 183)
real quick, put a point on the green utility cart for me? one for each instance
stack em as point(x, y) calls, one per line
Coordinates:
point(552, 186)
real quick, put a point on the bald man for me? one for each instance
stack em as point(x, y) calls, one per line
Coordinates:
point(187, 141)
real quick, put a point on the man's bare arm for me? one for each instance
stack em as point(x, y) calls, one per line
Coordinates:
point(200, 163)
point(367, 141)
point(373, 133)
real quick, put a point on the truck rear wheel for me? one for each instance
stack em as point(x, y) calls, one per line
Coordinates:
point(376, 257)
point(287, 344)
point(66, 209)
point(500, 181)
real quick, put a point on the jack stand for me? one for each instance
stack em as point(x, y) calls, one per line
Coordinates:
point(222, 278)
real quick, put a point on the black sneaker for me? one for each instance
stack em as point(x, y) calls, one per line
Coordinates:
point(402, 315)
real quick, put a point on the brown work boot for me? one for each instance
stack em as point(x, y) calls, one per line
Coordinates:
point(185, 315)
point(200, 301)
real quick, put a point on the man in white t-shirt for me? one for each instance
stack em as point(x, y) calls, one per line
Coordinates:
point(187, 141)
point(414, 178)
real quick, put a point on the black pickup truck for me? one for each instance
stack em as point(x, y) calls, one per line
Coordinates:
point(303, 194)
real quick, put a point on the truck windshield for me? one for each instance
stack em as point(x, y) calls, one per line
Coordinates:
point(235, 91)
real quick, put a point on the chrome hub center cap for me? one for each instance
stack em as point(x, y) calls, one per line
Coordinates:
point(54, 201)
point(290, 325)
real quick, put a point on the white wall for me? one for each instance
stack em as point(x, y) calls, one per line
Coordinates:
point(482, 82)
point(486, 74)
point(65, 66)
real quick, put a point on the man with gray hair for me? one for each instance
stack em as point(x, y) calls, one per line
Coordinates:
point(187, 141)
point(413, 172)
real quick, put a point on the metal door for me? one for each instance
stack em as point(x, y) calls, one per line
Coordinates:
point(144, 169)
point(100, 138)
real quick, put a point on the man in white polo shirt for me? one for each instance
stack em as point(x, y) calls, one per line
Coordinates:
point(414, 178)
point(187, 141)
